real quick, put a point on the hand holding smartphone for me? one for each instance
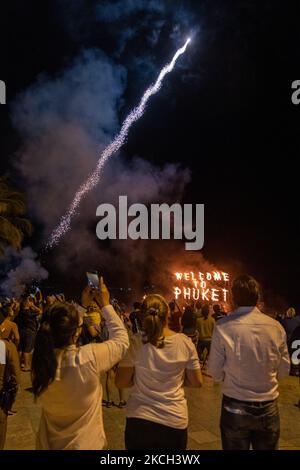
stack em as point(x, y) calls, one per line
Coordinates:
point(95, 290)
point(93, 279)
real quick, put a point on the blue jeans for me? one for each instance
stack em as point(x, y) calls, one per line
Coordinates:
point(249, 423)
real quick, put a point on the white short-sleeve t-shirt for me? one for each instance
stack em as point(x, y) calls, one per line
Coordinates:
point(158, 393)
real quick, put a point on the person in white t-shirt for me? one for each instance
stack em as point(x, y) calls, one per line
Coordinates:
point(66, 378)
point(158, 364)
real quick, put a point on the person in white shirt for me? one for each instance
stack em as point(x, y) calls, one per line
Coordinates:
point(158, 364)
point(249, 355)
point(66, 378)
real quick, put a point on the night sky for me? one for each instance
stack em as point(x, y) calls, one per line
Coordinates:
point(225, 112)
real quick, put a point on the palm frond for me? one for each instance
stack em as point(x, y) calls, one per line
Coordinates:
point(13, 227)
point(23, 224)
point(10, 234)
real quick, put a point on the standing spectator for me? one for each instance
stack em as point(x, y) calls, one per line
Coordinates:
point(158, 365)
point(175, 317)
point(249, 354)
point(205, 327)
point(109, 387)
point(27, 321)
point(218, 314)
point(16, 307)
point(198, 309)
point(93, 321)
point(9, 382)
point(8, 328)
point(290, 322)
point(66, 378)
point(189, 323)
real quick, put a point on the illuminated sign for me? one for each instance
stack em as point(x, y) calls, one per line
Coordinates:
point(204, 286)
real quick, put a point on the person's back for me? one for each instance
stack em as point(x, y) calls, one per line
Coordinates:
point(189, 323)
point(71, 403)
point(249, 354)
point(158, 364)
point(69, 389)
point(253, 345)
point(198, 309)
point(158, 393)
point(205, 327)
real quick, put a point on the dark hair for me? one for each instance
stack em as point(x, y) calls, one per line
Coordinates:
point(154, 314)
point(205, 311)
point(6, 310)
point(136, 305)
point(189, 318)
point(59, 326)
point(172, 305)
point(198, 305)
point(245, 291)
point(217, 308)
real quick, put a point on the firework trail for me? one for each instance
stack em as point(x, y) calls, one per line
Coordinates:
point(113, 147)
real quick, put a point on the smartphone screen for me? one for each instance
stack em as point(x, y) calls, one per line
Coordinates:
point(93, 279)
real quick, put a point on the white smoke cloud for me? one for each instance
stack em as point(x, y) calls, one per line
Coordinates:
point(27, 268)
point(65, 122)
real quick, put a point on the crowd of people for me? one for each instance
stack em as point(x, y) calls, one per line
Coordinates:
point(155, 350)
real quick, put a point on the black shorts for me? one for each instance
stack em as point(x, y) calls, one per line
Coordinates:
point(27, 340)
point(141, 434)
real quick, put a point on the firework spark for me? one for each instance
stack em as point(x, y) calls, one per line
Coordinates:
point(137, 112)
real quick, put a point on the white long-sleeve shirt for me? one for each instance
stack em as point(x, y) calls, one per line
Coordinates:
point(249, 354)
point(71, 405)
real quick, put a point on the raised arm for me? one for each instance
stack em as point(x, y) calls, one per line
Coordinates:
point(110, 352)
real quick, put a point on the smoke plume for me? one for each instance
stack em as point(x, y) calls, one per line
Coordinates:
point(65, 122)
point(22, 269)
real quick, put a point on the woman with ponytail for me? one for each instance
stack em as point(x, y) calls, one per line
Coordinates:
point(158, 364)
point(66, 378)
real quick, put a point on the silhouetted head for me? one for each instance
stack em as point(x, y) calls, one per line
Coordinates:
point(245, 291)
point(205, 310)
point(60, 327)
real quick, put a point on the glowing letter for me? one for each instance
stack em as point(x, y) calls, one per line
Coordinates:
point(177, 292)
point(225, 291)
point(186, 292)
point(215, 295)
point(205, 294)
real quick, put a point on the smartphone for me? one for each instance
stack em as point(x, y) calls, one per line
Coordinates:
point(93, 279)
